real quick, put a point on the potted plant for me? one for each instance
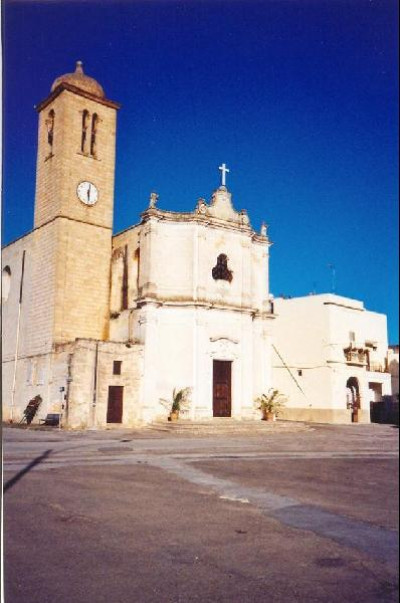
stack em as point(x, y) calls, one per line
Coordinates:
point(270, 404)
point(180, 402)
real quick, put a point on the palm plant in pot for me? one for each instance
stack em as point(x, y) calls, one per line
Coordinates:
point(180, 402)
point(270, 404)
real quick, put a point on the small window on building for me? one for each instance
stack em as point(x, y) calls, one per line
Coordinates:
point(221, 270)
point(271, 303)
point(117, 366)
point(85, 125)
point(5, 283)
point(352, 336)
point(300, 373)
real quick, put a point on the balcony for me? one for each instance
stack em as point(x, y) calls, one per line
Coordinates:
point(354, 356)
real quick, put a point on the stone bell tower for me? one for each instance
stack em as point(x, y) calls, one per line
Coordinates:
point(73, 212)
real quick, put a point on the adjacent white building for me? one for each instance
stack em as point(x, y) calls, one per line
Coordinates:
point(330, 358)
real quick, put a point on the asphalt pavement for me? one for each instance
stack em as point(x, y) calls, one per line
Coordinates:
point(146, 516)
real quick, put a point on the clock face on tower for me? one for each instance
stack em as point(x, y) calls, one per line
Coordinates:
point(87, 193)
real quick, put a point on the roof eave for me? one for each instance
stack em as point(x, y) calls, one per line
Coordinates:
point(65, 86)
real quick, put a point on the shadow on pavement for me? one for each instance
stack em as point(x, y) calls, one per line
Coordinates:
point(11, 482)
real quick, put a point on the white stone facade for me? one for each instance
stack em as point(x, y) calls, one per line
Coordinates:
point(183, 316)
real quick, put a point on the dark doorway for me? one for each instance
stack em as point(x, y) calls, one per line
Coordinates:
point(115, 403)
point(222, 376)
point(353, 398)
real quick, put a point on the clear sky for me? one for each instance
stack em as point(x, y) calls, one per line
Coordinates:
point(297, 97)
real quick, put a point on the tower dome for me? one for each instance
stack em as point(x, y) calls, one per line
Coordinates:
point(81, 81)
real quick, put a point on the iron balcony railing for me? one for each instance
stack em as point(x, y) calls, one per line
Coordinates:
point(377, 367)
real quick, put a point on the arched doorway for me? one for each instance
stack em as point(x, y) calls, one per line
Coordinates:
point(353, 397)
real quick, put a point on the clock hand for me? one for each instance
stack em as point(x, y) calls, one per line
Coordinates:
point(88, 192)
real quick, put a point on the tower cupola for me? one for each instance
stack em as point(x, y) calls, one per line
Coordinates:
point(80, 80)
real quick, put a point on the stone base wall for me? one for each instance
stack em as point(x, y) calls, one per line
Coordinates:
point(323, 415)
point(92, 373)
point(65, 380)
point(41, 375)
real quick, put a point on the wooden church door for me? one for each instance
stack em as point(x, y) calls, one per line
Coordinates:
point(222, 377)
point(115, 403)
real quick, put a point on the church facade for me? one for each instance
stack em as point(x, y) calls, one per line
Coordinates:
point(104, 327)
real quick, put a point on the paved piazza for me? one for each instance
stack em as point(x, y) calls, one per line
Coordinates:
point(285, 515)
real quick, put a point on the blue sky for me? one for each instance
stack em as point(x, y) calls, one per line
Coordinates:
point(298, 98)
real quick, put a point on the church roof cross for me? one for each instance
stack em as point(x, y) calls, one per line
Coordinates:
point(224, 171)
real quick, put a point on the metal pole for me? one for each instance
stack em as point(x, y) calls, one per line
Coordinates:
point(60, 419)
point(290, 372)
point(17, 339)
point(69, 379)
point(96, 361)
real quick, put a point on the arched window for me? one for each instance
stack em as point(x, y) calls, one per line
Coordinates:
point(119, 283)
point(95, 121)
point(85, 125)
point(5, 283)
point(125, 280)
point(221, 270)
point(50, 130)
point(137, 262)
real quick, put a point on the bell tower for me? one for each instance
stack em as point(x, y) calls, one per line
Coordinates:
point(76, 143)
point(73, 211)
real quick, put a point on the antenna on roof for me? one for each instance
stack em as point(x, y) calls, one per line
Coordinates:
point(333, 270)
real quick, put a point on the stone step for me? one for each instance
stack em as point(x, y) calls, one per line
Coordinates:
point(226, 426)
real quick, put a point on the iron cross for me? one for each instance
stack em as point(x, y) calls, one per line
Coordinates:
point(224, 171)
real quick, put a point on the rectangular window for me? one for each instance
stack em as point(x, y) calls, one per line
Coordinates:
point(40, 373)
point(117, 365)
point(30, 373)
point(352, 336)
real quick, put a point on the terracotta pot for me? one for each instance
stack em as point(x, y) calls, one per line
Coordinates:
point(174, 416)
point(268, 416)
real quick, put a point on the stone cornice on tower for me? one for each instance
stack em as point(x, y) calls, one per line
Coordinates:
point(66, 86)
